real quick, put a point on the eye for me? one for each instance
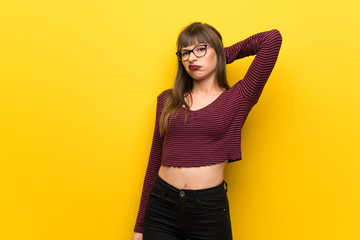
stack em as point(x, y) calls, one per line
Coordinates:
point(184, 54)
point(201, 49)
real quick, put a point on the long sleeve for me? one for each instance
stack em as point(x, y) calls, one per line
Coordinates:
point(266, 46)
point(153, 166)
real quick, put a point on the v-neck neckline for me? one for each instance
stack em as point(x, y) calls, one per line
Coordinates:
point(207, 106)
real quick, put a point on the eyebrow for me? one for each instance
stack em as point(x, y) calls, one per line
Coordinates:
point(199, 44)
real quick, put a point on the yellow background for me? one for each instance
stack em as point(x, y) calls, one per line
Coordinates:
point(78, 88)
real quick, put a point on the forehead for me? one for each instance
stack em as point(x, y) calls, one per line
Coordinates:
point(190, 40)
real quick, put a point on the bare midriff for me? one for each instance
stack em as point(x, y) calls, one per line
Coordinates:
point(193, 178)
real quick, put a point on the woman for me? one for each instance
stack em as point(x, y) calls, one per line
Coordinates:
point(197, 132)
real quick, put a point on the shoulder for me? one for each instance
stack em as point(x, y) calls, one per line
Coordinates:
point(164, 95)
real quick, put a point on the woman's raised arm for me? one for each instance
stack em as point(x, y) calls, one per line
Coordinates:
point(266, 46)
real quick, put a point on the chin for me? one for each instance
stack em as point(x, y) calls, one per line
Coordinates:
point(199, 78)
point(196, 77)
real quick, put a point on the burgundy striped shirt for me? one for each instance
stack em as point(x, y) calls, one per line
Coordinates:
point(212, 134)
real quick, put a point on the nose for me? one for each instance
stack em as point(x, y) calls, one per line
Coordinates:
point(192, 57)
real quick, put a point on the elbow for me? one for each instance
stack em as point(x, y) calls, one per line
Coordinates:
point(276, 35)
point(275, 38)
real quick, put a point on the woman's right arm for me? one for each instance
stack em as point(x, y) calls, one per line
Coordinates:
point(152, 169)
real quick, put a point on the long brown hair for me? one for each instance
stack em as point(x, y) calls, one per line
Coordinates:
point(183, 85)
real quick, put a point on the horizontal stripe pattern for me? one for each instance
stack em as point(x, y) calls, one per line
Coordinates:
point(212, 134)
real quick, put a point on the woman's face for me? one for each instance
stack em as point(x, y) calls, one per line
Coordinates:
point(200, 68)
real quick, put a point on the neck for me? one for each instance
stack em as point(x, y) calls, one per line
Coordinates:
point(206, 86)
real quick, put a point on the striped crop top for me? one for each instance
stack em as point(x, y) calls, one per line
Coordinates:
point(212, 134)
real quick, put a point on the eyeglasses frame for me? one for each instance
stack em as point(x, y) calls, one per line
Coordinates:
point(192, 51)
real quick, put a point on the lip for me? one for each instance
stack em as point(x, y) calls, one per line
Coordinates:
point(194, 67)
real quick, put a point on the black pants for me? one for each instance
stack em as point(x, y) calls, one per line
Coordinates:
point(175, 214)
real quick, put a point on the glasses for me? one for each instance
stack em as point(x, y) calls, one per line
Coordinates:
point(198, 51)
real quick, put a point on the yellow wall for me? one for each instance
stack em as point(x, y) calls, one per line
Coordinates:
point(78, 87)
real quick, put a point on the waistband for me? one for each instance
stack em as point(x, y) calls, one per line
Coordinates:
point(164, 187)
